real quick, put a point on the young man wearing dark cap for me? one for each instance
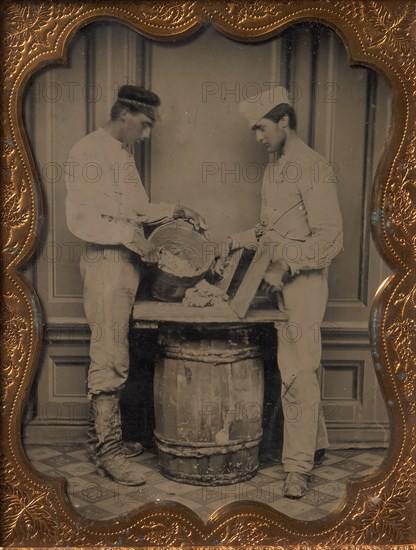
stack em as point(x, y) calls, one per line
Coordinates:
point(107, 207)
point(301, 223)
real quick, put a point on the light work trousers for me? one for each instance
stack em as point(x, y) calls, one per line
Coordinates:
point(304, 300)
point(111, 276)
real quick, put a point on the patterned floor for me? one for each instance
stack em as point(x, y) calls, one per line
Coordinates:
point(99, 498)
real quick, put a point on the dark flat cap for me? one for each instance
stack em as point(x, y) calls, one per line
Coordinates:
point(139, 94)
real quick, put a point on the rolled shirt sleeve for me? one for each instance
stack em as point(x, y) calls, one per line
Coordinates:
point(145, 212)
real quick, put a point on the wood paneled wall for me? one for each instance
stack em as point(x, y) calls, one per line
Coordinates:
point(203, 155)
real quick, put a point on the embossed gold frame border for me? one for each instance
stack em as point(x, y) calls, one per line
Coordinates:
point(379, 509)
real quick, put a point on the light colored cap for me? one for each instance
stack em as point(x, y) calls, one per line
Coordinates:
point(255, 108)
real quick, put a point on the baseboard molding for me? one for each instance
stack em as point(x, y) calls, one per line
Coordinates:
point(359, 438)
point(41, 434)
point(339, 438)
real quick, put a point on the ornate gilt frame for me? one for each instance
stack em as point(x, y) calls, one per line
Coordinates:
point(379, 509)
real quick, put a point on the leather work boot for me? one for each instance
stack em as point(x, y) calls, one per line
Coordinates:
point(295, 485)
point(319, 456)
point(130, 448)
point(110, 459)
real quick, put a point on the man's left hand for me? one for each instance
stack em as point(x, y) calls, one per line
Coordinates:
point(276, 276)
point(191, 215)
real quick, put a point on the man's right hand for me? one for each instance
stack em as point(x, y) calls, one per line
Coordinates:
point(144, 248)
point(231, 244)
point(224, 249)
point(235, 245)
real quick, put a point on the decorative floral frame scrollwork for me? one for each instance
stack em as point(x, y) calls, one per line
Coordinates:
point(380, 34)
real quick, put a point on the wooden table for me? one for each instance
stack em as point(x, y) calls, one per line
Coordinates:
point(150, 314)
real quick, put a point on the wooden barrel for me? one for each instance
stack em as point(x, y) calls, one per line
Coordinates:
point(208, 395)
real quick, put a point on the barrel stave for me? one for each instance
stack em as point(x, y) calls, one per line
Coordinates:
point(208, 406)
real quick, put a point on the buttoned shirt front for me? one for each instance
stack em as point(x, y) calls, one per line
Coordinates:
point(300, 211)
point(106, 201)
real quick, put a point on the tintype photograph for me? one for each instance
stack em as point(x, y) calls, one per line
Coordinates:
point(208, 257)
point(206, 271)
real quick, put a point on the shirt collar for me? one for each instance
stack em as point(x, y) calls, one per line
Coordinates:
point(104, 134)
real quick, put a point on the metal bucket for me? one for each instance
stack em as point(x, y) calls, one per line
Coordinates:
point(180, 237)
point(208, 395)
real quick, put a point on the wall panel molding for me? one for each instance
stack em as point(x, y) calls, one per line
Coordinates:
point(110, 55)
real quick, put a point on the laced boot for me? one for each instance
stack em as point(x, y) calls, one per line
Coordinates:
point(130, 448)
point(110, 458)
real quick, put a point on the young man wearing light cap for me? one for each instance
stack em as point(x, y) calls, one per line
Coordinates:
point(107, 207)
point(301, 222)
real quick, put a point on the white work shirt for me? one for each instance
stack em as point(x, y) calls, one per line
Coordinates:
point(300, 210)
point(106, 201)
